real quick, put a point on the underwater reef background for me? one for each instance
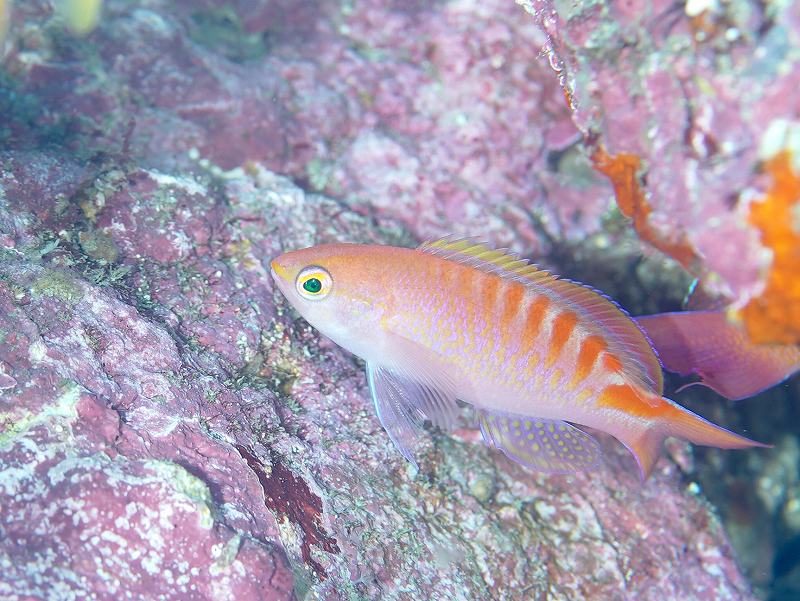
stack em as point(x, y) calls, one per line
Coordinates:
point(170, 428)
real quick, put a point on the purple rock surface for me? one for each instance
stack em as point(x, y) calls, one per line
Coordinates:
point(701, 92)
point(170, 429)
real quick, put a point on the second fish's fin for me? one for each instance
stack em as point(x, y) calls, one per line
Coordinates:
point(707, 344)
point(546, 445)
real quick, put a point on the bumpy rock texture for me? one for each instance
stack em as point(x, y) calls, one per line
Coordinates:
point(698, 95)
point(168, 427)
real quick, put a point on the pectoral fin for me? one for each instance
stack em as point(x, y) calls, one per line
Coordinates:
point(404, 400)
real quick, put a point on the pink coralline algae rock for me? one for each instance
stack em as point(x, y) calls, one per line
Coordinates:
point(701, 92)
point(459, 125)
point(170, 429)
point(174, 432)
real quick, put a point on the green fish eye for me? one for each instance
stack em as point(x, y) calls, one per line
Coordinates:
point(312, 285)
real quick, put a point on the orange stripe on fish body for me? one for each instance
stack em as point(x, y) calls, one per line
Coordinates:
point(590, 350)
point(511, 337)
point(490, 289)
point(513, 299)
point(535, 317)
point(534, 320)
point(626, 399)
point(561, 330)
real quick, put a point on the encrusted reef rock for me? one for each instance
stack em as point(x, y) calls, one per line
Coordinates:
point(460, 126)
point(170, 429)
point(691, 109)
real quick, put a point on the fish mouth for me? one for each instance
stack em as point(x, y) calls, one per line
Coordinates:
point(278, 271)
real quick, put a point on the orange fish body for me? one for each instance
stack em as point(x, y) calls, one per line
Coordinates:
point(531, 353)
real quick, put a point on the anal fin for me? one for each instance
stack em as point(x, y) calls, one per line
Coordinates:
point(546, 445)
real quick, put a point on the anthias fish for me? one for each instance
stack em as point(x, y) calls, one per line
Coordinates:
point(534, 355)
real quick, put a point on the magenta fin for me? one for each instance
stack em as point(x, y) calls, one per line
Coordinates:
point(545, 445)
point(705, 343)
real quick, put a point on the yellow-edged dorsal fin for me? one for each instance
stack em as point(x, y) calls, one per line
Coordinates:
point(481, 256)
point(624, 336)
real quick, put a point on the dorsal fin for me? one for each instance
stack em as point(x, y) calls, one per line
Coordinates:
point(481, 256)
point(624, 336)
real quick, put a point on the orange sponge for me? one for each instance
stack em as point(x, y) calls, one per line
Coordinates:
point(775, 315)
point(623, 170)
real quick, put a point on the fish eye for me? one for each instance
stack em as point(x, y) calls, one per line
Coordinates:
point(314, 283)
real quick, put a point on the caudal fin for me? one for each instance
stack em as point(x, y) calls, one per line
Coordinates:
point(682, 423)
point(707, 344)
point(677, 421)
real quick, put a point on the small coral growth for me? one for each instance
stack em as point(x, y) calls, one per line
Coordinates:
point(81, 16)
point(623, 170)
point(775, 315)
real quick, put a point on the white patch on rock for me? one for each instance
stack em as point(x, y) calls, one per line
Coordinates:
point(154, 422)
point(37, 351)
point(152, 563)
point(190, 186)
point(781, 135)
point(182, 243)
point(113, 537)
point(695, 8)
